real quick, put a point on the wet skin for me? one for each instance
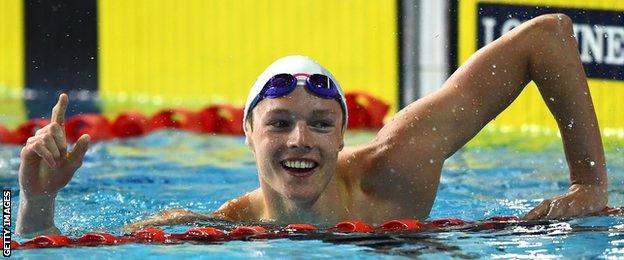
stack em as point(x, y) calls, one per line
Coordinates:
point(395, 175)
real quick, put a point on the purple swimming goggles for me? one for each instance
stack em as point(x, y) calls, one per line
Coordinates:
point(283, 84)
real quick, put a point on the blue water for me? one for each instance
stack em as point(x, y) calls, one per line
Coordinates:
point(126, 180)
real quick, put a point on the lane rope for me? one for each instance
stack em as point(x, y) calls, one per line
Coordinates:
point(365, 112)
point(211, 235)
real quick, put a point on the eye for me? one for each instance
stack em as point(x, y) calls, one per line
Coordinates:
point(322, 124)
point(279, 124)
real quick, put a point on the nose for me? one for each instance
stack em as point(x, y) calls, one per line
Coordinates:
point(299, 137)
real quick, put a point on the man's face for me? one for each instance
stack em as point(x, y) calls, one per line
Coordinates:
point(296, 140)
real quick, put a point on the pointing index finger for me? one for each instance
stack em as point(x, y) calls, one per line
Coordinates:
point(58, 111)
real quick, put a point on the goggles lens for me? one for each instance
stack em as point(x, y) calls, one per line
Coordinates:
point(282, 84)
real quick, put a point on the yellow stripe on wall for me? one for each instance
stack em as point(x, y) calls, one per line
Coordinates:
point(12, 110)
point(528, 112)
point(192, 53)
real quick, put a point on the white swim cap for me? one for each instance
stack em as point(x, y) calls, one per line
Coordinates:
point(292, 65)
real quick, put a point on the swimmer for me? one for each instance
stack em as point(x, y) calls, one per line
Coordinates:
point(295, 119)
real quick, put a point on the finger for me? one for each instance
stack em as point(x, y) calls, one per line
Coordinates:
point(80, 149)
point(561, 208)
point(58, 111)
point(555, 211)
point(50, 145)
point(539, 211)
point(59, 137)
point(43, 152)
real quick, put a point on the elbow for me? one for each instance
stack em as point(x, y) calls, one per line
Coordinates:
point(553, 24)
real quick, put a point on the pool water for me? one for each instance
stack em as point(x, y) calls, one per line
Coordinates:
point(126, 180)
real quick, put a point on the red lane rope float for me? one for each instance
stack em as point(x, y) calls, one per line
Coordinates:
point(6, 136)
point(353, 226)
point(401, 224)
point(97, 239)
point(28, 129)
point(213, 235)
point(178, 118)
point(97, 126)
point(202, 233)
point(365, 112)
point(300, 227)
point(221, 119)
point(14, 244)
point(447, 222)
point(130, 124)
point(150, 235)
point(46, 241)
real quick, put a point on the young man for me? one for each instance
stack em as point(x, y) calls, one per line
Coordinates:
point(295, 118)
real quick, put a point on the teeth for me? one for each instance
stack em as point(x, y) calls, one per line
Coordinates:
point(299, 164)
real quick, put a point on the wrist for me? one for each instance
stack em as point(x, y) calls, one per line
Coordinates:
point(43, 198)
point(36, 215)
point(598, 193)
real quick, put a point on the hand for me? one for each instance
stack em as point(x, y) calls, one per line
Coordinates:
point(46, 165)
point(581, 199)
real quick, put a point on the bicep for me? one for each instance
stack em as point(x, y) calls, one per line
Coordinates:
point(439, 124)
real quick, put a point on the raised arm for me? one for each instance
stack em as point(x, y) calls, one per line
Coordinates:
point(46, 167)
point(421, 136)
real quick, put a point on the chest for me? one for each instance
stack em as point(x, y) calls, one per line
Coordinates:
point(376, 208)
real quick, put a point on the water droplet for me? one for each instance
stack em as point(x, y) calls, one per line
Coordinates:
point(494, 66)
point(552, 99)
point(493, 73)
point(592, 163)
point(434, 128)
point(431, 161)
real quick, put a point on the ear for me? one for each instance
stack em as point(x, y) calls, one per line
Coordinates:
point(341, 146)
point(248, 141)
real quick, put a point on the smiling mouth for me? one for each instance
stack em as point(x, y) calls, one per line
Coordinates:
point(299, 168)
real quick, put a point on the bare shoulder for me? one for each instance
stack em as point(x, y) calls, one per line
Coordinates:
point(398, 184)
point(244, 208)
point(354, 162)
point(390, 159)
